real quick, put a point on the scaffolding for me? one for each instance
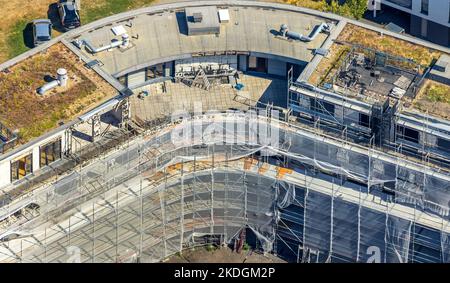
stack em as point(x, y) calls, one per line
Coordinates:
point(308, 198)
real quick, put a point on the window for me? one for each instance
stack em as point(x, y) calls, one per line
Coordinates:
point(321, 106)
point(50, 152)
point(257, 64)
point(294, 96)
point(21, 167)
point(408, 134)
point(403, 3)
point(424, 27)
point(424, 9)
point(443, 144)
point(364, 120)
point(154, 71)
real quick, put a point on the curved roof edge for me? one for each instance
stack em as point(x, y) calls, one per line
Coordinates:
point(184, 4)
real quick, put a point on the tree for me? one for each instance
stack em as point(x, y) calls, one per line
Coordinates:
point(357, 7)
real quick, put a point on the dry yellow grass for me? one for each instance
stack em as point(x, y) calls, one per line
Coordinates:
point(388, 44)
point(329, 65)
point(320, 5)
point(23, 109)
point(434, 98)
point(14, 11)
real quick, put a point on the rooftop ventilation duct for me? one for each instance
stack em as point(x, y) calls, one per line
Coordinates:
point(61, 80)
point(125, 42)
point(323, 27)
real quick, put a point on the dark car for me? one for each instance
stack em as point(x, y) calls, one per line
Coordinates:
point(68, 12)
point(42, 31)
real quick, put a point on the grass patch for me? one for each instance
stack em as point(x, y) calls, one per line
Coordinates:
point(434, 99)
point(329, 65)
point(438, 93)
point(348, 9)
point(388, 44)
point(15, 42)
point(334, 65)
point(210, 248)
point(107, 8)
point(22, 109)
point(320, 5)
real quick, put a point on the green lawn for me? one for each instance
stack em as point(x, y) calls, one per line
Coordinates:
point(438, 93)
point(15, 42)
point(109, 8)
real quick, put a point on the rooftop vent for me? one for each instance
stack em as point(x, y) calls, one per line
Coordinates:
point(61, 80)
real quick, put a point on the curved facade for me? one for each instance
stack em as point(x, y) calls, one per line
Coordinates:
point(296, 191)
point(156, 197)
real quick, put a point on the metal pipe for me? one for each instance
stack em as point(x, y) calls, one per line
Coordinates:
point(284, 30)
point(114, 43)
point(61, 80)
point(48, 86)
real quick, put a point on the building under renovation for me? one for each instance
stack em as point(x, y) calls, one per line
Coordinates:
point(224, 122)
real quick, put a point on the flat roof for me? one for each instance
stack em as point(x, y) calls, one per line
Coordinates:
point(164, 35)
point(22, 109)
point(433, 99)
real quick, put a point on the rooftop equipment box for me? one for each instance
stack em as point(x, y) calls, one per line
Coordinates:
point(224, 16)
point(202, 20)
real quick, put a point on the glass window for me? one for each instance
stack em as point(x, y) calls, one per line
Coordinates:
point(364, 120)
point(257, 64)
point(443, 144)
point(408, 134)
point(424, 9)
point(154, 71)
point(21, 167)
point(322, 106)
point(50, 152)
point(403, 3)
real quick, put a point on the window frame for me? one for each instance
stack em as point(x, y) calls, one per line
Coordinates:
point(427, 10)
point(27, 161)
point(56, 147)
point(401, 133)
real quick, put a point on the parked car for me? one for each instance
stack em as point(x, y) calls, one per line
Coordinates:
point(69, 14)
point(42, 31)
